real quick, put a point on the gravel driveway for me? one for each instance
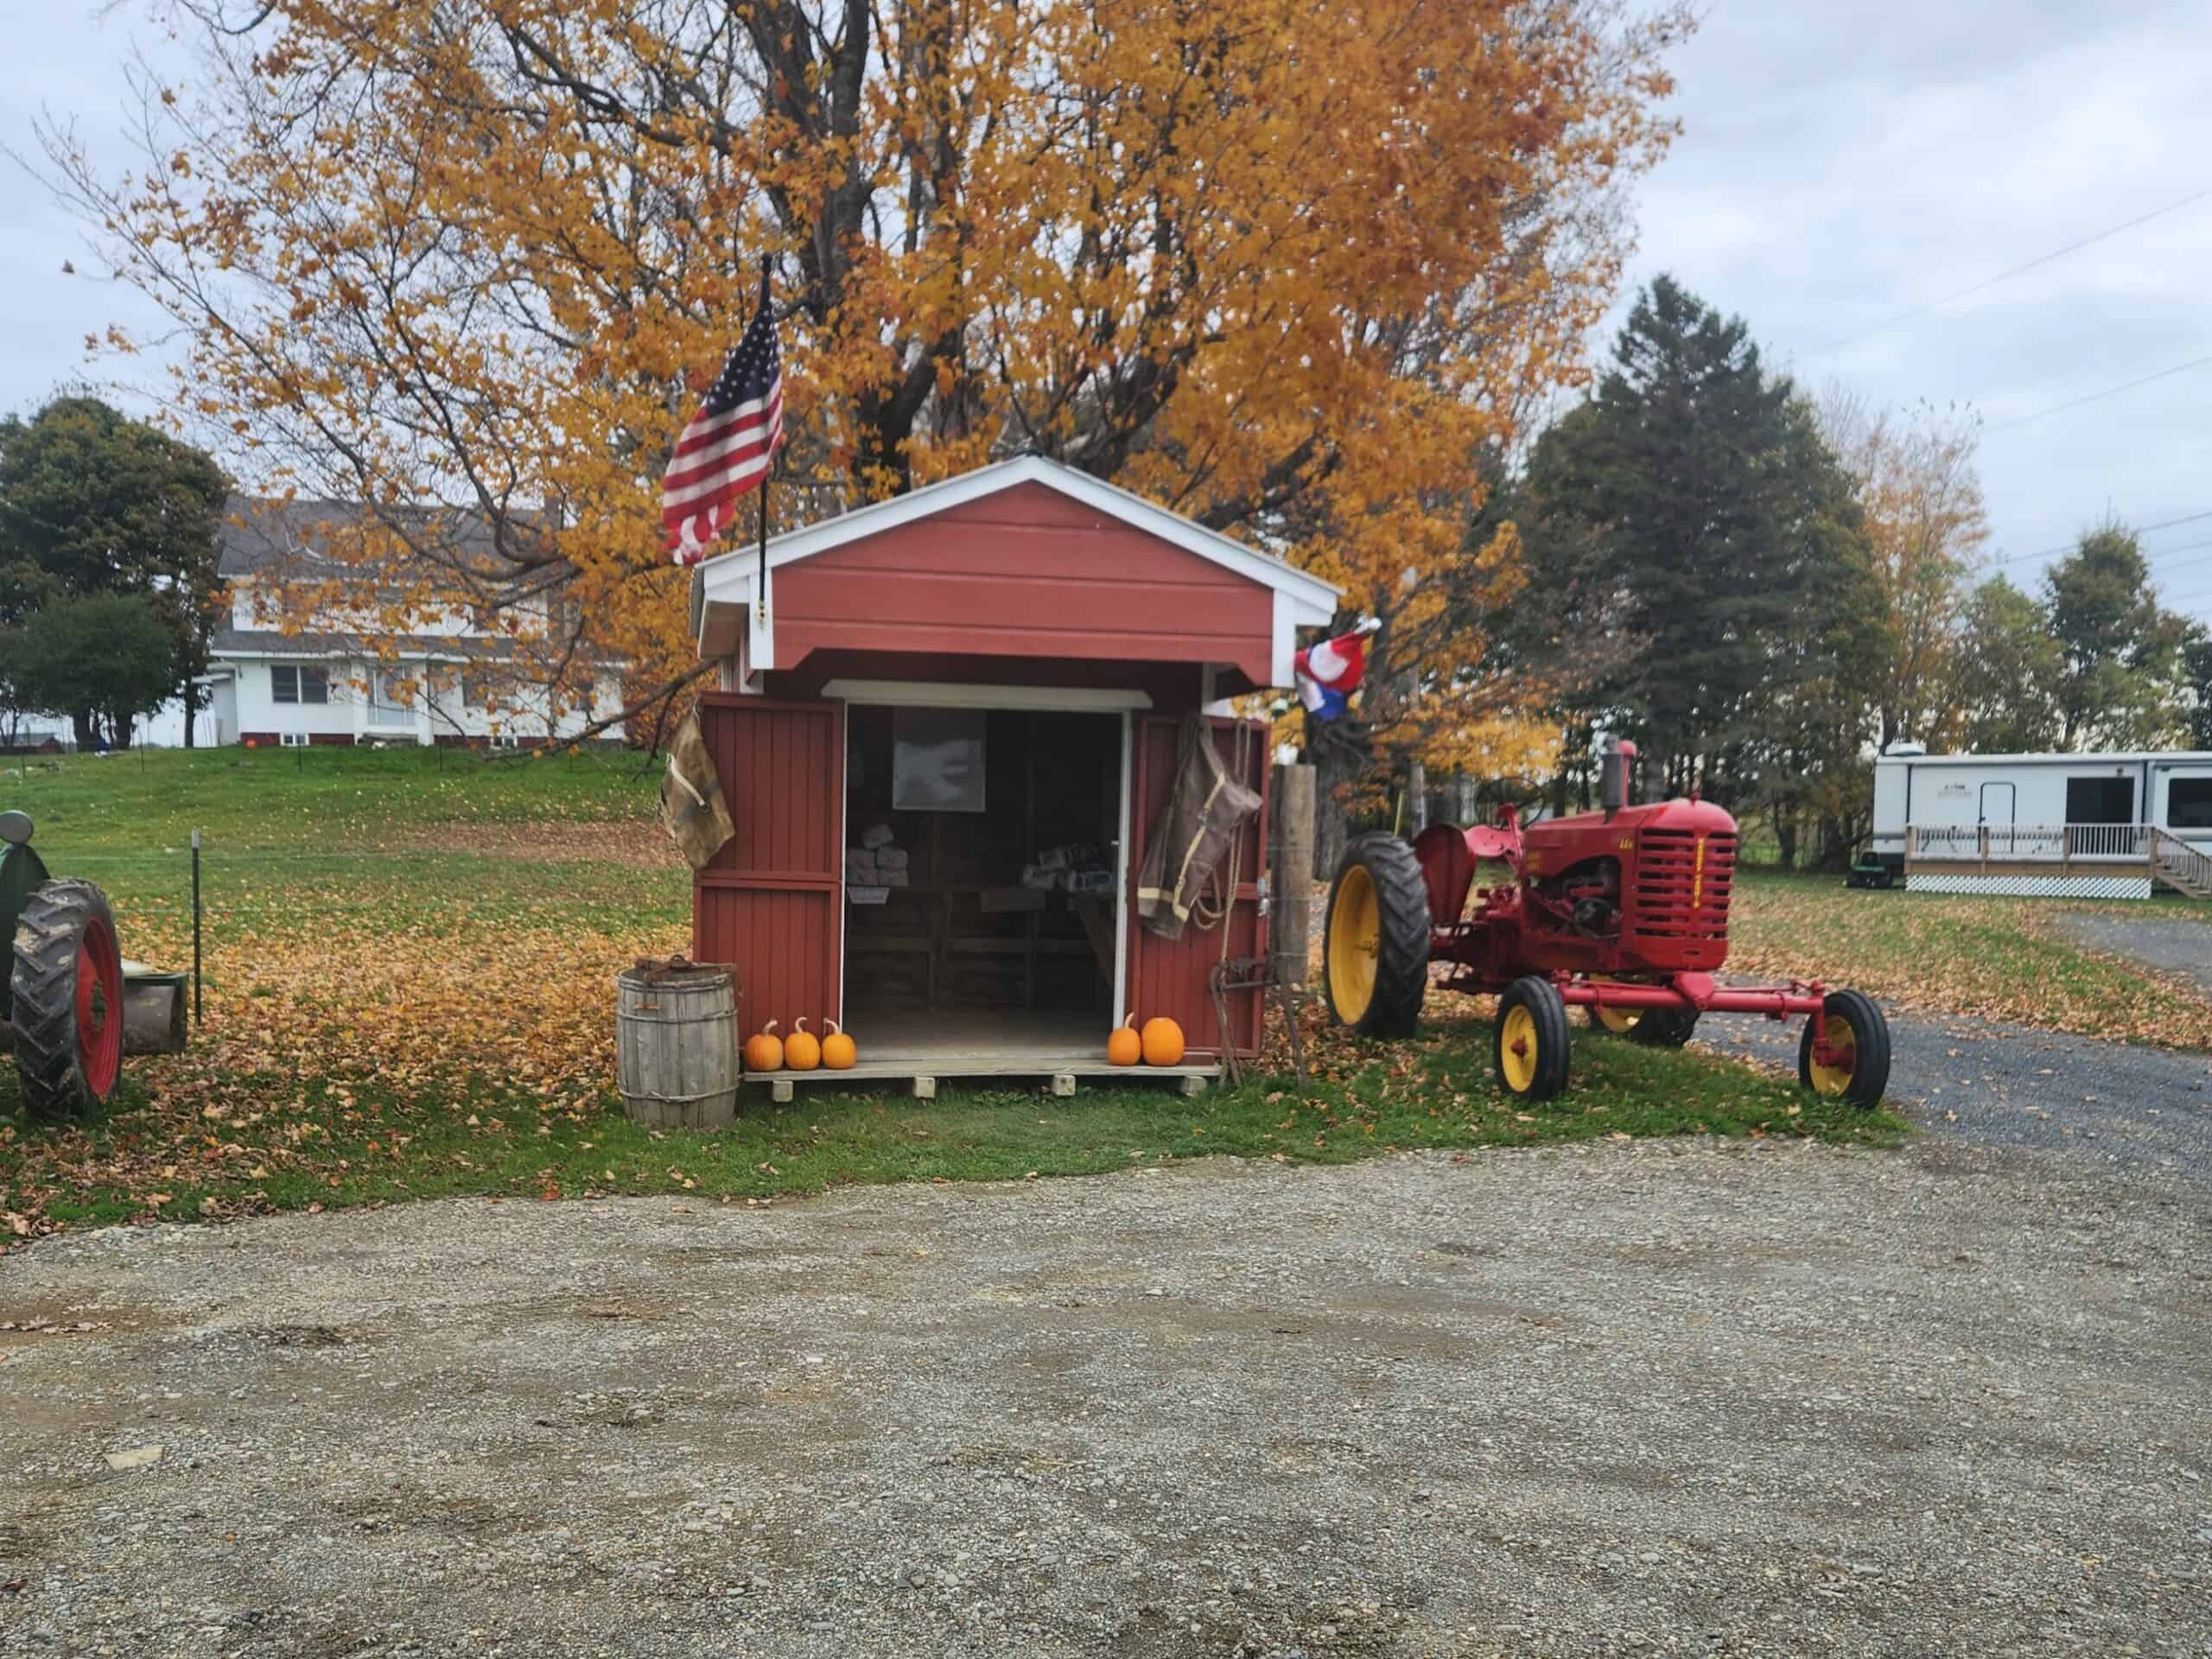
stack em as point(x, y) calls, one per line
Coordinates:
point(2176, 943)
point(2117, 1106)
point(1664, 1397)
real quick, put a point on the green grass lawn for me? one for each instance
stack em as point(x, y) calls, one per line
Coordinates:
point(1997, 957)
point(310, 800)
point(408, 967)
point(344, 1145)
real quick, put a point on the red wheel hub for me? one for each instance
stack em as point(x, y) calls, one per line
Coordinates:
point(99, 1009)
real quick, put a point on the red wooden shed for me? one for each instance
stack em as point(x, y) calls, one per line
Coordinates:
point(944, 747)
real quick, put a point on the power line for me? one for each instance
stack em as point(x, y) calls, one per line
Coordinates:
point(2006, 276)
point(2109, 391)
point(2134, 529)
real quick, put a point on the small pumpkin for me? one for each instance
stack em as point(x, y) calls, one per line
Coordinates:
point(802, 1049)
point(1124, 1046)
point(1162, 1041)
point(838, 1051)
point(764, 1049)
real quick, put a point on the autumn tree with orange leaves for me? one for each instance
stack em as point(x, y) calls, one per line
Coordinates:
point(1288, 267)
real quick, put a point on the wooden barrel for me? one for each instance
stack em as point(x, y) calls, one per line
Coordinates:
point(676, 1047)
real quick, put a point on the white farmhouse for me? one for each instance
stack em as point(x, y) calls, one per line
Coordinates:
point(453, 680)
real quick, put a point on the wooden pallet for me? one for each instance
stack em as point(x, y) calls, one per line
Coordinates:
point(923, 1074)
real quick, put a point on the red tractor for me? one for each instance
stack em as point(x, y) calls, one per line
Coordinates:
point(1623, 912)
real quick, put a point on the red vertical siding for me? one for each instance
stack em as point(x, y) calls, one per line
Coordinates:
point(1025, 573)
point(771, 901)
point(1169, 977)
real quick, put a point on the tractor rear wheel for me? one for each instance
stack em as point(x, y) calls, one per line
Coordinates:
point(1530, 1040)
point(1374, 952)
point(1859, 1041)
point(1665, 1028)
point(67, 995)
point(1654, 1027)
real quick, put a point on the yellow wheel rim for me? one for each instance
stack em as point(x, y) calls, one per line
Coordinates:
point(1835, 1079)
point(1516, 1049)
point(1355, 937)
point(1620, 1021)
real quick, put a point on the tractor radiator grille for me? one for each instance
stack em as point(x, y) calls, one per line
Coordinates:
point(1682, 882)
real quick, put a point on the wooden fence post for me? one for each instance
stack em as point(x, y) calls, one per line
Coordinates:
point(1290, 932)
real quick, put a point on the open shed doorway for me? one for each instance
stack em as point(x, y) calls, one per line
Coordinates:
point(982, 881)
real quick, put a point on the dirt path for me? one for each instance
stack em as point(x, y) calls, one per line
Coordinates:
point(1673, 1398)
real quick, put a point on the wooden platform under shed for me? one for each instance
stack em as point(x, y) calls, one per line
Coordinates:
point(925, 1049)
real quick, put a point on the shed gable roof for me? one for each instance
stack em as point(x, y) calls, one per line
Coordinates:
point(723, 586)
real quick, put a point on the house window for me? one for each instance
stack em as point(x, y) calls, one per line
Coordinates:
point(291, 683)
point(2189, 803)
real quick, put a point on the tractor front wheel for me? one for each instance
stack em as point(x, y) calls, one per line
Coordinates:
point(1531, 1039)
point(1857, 1068)
point(67, 996)
point(1374, 953)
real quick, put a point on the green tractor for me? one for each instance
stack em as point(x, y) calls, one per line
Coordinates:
point(71, 1007)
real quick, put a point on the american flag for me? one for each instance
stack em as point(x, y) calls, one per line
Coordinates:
point(728, 446)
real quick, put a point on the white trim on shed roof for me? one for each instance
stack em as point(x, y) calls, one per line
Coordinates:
point(723, 587)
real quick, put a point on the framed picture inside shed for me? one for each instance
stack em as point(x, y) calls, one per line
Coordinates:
point(937, 760)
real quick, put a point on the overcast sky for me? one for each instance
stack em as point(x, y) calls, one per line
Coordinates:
point(1840, 164)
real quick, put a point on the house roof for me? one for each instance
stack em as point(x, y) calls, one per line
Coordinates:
point(725, 583)
point(264, 535)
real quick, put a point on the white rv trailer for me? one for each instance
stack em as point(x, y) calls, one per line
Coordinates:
point(2080, 825)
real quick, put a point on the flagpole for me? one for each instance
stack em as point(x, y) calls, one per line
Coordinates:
point(767, 477)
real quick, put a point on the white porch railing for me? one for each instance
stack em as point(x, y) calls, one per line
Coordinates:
point(2039, 843)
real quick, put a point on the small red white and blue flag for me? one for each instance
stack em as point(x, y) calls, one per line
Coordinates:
point(729, 444)
point(1330, 672)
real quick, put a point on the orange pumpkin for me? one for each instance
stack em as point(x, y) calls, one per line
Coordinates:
point(838, 1051)
point(802, 1049)
point(1162, 1041)
point(764, 1049)
point(1124, 1046)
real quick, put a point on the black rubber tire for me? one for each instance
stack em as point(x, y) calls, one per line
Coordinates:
point(1549, 1009)
point(1664, 1027)
point(1870, 1038)
point(43, 991)
point(1401, 956)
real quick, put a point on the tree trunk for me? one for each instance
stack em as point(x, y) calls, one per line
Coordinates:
point(1785, 836)
point(190, 698)
point(88, 736)
point(1332, 768)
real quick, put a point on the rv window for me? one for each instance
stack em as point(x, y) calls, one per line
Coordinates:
point(2189, 803)
point(2100, 800)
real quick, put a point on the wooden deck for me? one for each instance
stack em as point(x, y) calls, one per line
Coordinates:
point(920, 1049)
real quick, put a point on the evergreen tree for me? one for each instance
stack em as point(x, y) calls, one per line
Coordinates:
point(1692, 514)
